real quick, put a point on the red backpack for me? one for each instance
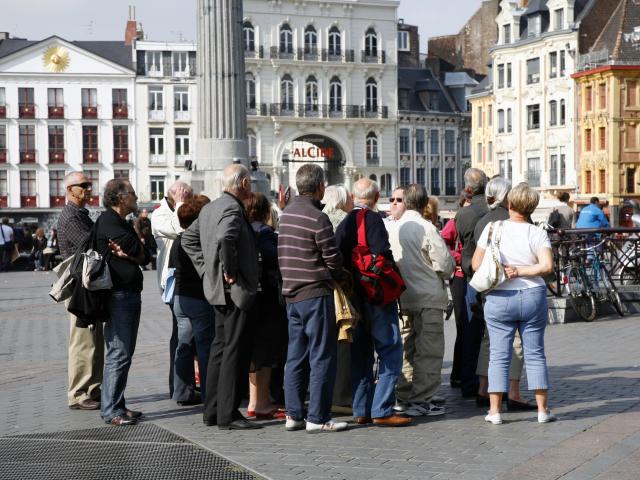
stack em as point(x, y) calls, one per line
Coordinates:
point(378, 276)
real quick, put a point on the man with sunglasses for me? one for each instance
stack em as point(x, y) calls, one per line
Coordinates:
point(396, 206)
point(86, 345)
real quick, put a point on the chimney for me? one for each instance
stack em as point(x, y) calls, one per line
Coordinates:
point(4, 36)
point(131, 32)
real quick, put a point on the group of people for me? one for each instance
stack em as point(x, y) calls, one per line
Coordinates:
point(41, 249)
point(252, 289)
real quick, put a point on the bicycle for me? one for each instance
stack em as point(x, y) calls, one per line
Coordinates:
point(590, 283)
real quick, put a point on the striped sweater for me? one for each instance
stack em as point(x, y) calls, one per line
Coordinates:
point(307, 252)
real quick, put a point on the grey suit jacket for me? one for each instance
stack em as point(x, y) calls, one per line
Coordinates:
point(222, 241)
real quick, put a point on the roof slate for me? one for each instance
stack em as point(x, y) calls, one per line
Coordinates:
point(619, 36)
point(418, 80)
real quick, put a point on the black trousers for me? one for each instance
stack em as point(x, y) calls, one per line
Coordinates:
point(228, 368)
point(458, 288)
point(472, 332)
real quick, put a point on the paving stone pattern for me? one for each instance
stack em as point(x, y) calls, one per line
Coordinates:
point(594, 368)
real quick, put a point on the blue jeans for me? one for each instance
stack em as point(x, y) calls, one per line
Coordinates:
point(195, 319)
point(311, 358)
point(472, 332)
point(379, 329)
point(120, 335)
point(524, 310)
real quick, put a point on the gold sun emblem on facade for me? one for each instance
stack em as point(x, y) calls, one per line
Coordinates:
point(56, 59)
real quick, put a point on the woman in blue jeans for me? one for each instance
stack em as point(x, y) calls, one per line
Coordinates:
point(518, 303)
point(193, 313)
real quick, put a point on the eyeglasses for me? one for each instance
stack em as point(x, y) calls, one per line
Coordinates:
point(394, 200)
point(84, 185)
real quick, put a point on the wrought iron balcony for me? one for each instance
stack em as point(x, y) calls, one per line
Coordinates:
point(373, 56)
point(302, 110)
point(259, 109)
point(255, 53)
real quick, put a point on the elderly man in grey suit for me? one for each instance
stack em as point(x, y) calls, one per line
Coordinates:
point(222, 247)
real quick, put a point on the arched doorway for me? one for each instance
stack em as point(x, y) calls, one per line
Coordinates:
point(315, 149)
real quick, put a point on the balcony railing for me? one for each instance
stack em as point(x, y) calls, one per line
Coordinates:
point(156, 115)
point(182, 115)
point(533, 178)
point(374, 57)
point(337, 55)
point(309, 53)
point(3, 111)
point(27, 156)
point(120, 156)
point(167, 69)
point(255, 53)
point(56, 112)
point(325, 111)
point(27, 110)
point(316, 55)
point(56, 155)
point(157, 159)
point(373, 161)
point(56, 201)
point(90, 112)
point(90, 155)
point(259, 109)
point(28, 201)
point(3, 155)
point(120, 111)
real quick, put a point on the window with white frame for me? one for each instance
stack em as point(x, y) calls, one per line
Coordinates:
point(3, 98)
point(335, 95)
point(449, 142)
point(553, 113)
point(534, 25)
point(371, 43)
point(533, 70)
point(250, 83)
point(156, 99)
point(54, 97)
point(405, 141)
point(335, 42)
point(372, 148)
point(506, 33)
point(558, 19)
point(156, 141)
point(371, 95)
point(3, 183)
point(405, 176)
point(154, 62)
point(501, 75)
point(403, 40)
point(533, 171)
point(286, 93)
point(310, 40)
point(385, 184)
point(180, 63)
point(563, 63)
point(252, 140)
point(435, 142)
point(420, 142)
point(286, 39)
point(249, 37)
point(509, 77)
point(435, 181)
point(3, 138)
point(450, 181)
point(420, 175)
point(500, 120)
point(563, 115)
point(553, 64)
point(183, 146)
point(509, 120)
point(56, 184)
point(311, 94)
point(181, 99)
point(157, 188)
point(533, 117)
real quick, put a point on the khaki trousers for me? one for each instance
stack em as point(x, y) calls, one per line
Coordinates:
point(423, 340)
point(86, 362)
point(517, 357)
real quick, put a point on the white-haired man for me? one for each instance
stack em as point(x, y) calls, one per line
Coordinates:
point(222, 247)
point(165, 228)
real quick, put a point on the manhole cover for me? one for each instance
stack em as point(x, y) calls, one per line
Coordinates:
point(142, 452)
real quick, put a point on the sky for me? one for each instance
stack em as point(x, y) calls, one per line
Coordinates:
point(174, 19)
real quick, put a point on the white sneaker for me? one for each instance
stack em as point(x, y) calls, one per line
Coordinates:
point(495, 418)
point(292, 425)
point(546, 417)
point(400, 406)
point(329, 426)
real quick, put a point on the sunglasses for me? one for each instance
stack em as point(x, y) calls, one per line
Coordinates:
point(84, 185)
point(393, 200)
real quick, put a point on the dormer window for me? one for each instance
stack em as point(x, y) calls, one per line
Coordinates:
point(506, 33)
point(535, 23)
point(558, 19)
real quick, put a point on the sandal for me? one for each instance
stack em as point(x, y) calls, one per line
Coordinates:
point(275, 414)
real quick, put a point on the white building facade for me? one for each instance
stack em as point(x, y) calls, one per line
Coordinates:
point(321, 82)
point(64, 106)
point(534, 95)
point(166, 114)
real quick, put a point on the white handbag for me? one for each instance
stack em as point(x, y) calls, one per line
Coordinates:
point(95, 272)
point(491, 272)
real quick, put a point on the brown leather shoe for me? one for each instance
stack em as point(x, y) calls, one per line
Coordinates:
point(120, 421)
point(363, 420)
point(85, 405)
point(392, 421)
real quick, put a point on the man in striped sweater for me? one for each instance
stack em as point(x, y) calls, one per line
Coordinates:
point(309, 259)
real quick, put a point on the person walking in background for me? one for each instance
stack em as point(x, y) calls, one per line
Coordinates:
point(117, 241)
point(52, 250)
point(466, 219)
point(270, 328)
point(195, 316)
point(165, 227)
point(309, 261)
point(458, 289)
point(519, 302)
point(592, 216)
point(142, 226)
point(425, 264)
point(37, 252)
point(222, 247)
point(86, 345)
point(338, 203)
point(7, 242)
point(379, 330)
point(562, 216)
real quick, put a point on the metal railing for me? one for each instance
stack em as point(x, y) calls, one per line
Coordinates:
point(302, 110)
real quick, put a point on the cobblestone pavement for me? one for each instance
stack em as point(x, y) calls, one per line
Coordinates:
point(594, 368)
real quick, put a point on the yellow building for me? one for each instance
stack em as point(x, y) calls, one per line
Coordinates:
point(482, 154)
point(608, 112)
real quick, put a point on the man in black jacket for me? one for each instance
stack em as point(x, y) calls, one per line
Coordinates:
point(466, 219)
point(118, 242)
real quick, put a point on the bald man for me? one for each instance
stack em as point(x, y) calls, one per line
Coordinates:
point(86, 345)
